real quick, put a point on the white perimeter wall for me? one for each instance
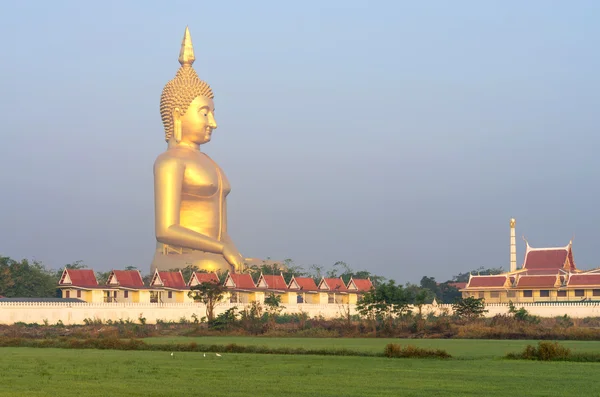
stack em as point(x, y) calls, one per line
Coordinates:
point(76, 313)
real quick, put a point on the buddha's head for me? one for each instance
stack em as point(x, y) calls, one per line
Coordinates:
point(186, 103)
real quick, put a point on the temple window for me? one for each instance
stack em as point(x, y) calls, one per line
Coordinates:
point(481, 295)
point(579, 292)
point(596, 292)
point(511, 294)
point(68, 294)
point(126, 294)
point(528, 294)
point(495, 294)
point(79, 293)
point(544, 293)
point(299, 299)
point(153, 297)
point(233, 298)
point(330, 298)
point(170, 294)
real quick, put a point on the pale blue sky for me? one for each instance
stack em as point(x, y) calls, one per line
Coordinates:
point(398, 136)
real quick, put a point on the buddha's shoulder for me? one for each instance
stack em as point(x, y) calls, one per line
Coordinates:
point(168, 159)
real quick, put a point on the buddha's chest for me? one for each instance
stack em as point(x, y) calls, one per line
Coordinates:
point(203, 178)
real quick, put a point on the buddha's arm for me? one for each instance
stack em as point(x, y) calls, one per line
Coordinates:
point(168, 179)
point(236, 257)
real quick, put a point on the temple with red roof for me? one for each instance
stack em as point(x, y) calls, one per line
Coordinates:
point(359, 286)
point(333, 290)
point(305, 288)
point(275, 284)
point(125, 286)
point(168, 287)
point(547, 275)
point(241, 288)
point(81, 284)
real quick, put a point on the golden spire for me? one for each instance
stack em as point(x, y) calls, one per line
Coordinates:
point(186, 54)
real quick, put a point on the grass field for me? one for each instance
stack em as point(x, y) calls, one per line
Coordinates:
point(458, 348)
point(477, 371)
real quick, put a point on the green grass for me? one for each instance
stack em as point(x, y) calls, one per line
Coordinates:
point(51, 372)
point(459, 348)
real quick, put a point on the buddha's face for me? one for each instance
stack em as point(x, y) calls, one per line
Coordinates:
point(198, 122)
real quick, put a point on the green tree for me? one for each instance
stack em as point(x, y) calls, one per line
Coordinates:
point(469, 307)
point(273, 306)
point(210, 294)
point(384, 303)
point(449, 293)
point(25, 279)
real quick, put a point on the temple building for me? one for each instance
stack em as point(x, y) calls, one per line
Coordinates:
point(127, 286)
point(81, 284)
point(305, 288)
point(547, 275)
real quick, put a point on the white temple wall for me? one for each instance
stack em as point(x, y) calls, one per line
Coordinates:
point(76, 313)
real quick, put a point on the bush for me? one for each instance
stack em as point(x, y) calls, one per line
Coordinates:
point(393, 350)
point(545, 351)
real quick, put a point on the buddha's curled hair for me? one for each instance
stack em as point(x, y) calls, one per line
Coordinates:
point(179, 93)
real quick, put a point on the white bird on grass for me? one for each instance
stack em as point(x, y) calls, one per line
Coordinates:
point(204, 354)
point(218, 355)
point(172, 355)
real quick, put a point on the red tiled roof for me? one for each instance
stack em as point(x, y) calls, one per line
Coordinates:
point(486, 282)
point(242, 280)
point(82, 277)
point(584, 279)
point(207, 278)
point(129, 278)
point(275, 282)
point(540, 272)
point(335, 284)
point(536, 281)
point(172, 279)
point(549, 258)
point(362, 284)
point(306, 283)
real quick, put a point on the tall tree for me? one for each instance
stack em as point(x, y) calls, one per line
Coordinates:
point(209, 293)
point(25, 279)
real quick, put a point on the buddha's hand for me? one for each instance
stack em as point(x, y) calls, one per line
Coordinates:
point(233, 256)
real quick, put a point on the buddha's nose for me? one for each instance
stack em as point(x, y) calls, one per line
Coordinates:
point(212, 122)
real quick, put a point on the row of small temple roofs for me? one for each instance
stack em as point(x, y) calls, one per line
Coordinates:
point(132, 279)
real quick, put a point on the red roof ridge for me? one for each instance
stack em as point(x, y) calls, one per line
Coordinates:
point(333, 283)
point(239, 281)
point(200, 277)
point(168, 279)
point(360, 284)
point(126, 278)
point(78, 278)
point(303, 283)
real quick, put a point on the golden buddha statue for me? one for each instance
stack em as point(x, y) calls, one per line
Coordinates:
point(190, 189)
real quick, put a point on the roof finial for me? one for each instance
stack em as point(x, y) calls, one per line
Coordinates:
point(186, 54)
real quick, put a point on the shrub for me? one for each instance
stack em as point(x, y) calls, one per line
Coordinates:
point(394, 350)
point(546, 351)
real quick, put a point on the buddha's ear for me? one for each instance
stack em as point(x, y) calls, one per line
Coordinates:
point(177, 125)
